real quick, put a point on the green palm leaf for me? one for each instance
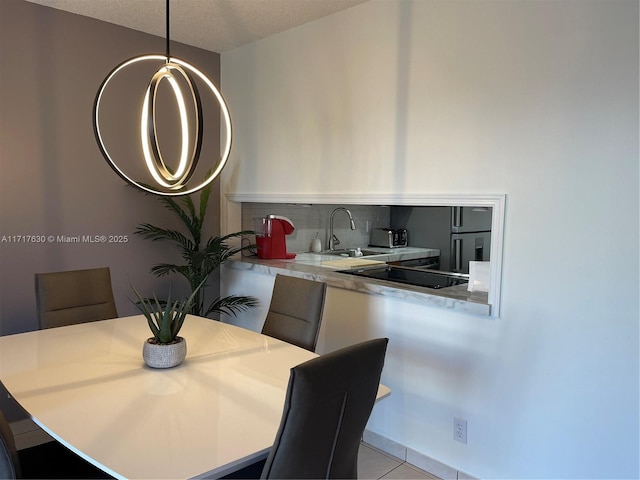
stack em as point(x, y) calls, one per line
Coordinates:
point(162, 269)
point(200, 261)
point(172, 205)
point(232, 305)
point(151, 232)
point(204, 201)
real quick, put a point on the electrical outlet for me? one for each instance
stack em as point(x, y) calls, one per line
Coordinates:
point(460, 430)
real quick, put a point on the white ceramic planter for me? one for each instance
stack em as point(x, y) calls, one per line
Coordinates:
point(164, 355)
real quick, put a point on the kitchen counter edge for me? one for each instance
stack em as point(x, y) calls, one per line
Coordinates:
point(308, 265)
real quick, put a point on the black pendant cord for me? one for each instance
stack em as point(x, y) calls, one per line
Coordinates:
point(168, 42)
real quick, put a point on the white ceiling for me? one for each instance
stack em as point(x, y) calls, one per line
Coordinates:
point(215, 25)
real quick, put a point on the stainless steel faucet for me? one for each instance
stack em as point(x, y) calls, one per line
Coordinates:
point(333, 240)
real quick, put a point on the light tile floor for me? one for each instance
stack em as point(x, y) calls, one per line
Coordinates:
point(374, 464)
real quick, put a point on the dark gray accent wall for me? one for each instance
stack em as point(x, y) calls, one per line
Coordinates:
point(53, 179)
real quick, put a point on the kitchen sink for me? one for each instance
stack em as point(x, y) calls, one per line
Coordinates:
point(349, 252)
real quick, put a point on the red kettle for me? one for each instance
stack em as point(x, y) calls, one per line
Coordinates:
point(270, 236)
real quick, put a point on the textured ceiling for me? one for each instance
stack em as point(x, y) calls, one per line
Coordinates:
point(215, 25)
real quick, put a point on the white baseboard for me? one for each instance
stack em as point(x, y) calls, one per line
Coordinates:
point(27, 434)
point(423, 462)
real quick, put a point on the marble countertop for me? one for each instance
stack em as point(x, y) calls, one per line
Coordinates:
point(326, 268)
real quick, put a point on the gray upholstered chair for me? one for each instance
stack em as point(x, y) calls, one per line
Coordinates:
point(327, 406)
point(76, 296)
point(9, 461)
point(295, 311)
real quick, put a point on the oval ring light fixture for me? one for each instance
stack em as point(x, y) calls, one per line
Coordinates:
point(176, 72)
point(148, 135)
point(177, 180)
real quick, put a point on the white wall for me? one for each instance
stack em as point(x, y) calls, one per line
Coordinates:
point(538, 100)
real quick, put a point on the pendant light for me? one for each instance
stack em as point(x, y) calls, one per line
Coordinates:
point(169, 179)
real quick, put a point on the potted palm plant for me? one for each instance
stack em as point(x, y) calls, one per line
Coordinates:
point(201, 258)
point(165, 348)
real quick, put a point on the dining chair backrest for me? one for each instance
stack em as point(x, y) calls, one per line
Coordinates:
point(327, 405)
point(295, 311)
point(75, 296)
point(9, 461)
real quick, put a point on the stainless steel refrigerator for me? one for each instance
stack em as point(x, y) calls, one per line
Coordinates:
point(462, 234)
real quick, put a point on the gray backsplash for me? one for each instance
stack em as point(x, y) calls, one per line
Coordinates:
point(310, 220)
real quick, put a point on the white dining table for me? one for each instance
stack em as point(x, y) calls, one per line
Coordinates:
point(87, 386)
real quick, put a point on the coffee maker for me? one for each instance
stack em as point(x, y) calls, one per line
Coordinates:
point(270, 236)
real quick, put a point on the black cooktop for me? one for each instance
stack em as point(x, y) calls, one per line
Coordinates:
point(420, 278)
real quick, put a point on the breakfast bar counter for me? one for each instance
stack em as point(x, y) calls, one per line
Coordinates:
point(327, 268)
